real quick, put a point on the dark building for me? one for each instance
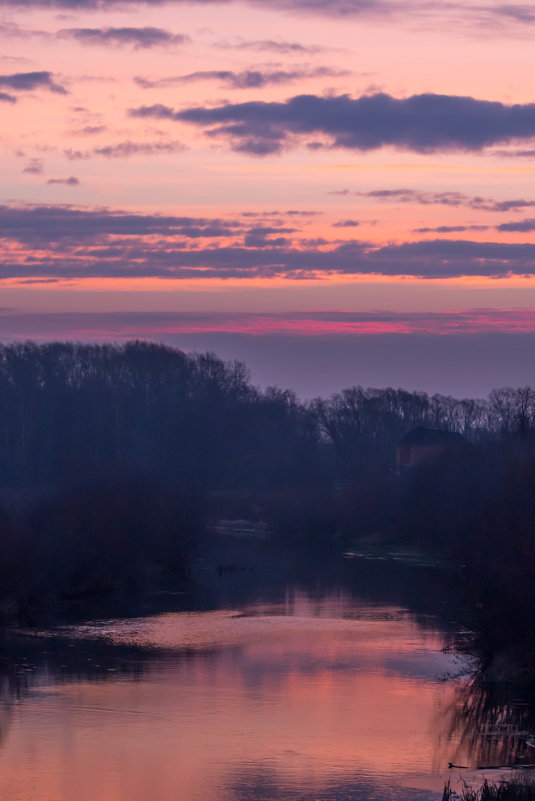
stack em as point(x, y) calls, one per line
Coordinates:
point(421, 444)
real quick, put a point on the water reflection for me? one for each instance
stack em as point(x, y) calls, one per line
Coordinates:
point(263, 784)
point(328, 691)
point(494, 725)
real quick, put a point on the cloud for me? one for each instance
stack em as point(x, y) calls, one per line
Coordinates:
point(271, 46)
point(331, 7)
point(514, 154)
point(275, 215)
point(479, 15)
point(469, 18)
point(69, 242)
point(524, 14)
point(72, 181)
point(261, 236)
point(28, 81)
point(346, 224)
point(6, 98)
point(423, 123)
point(124, 150)
point(139, 38)
point(12, 30)
point(340, 8)
point(50, 224)
point(337, 8)
point(451, 229)
point(522, 226)
point(299, 213)
point(246, 79)
point(91, 130)
point(454, 199)
point(52, 241)
point(35, 167)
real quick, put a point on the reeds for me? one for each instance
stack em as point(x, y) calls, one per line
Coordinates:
point(517, 789)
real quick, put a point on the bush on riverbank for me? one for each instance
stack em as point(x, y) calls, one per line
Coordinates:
point(107, 535)
point(477, 507)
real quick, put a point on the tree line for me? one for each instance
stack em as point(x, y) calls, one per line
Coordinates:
point(114, 457)
point(73, 410)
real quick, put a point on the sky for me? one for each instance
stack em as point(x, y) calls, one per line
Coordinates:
point(338, 192)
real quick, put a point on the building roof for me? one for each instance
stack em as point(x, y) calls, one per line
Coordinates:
point(430, 437)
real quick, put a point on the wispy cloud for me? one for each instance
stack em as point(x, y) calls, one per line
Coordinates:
point(138, 38)
point(522, 226)
point(34, 167)
point(451, 229)
point(420, 197)
point(518, 12)
point(300, 323)
point(91, 130)
point(471, 18)
point(346, 224)
point(71, 181)
point(271, 46)
point(246, 79)
point(124, 150)
point(515, 153)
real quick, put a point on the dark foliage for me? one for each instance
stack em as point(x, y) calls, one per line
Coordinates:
point(71, 409)
point(68, 409)
point(110, 455)
point(477, 507)
point(107, 535)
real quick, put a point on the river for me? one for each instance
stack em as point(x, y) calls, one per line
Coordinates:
point(270, 680)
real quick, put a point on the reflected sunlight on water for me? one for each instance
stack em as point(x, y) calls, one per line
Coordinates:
point(305, 698)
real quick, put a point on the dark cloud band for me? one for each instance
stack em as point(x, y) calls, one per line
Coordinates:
point(424, 123)
point(506, 13)
point(43, 242)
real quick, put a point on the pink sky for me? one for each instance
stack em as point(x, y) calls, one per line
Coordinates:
point(267, 157)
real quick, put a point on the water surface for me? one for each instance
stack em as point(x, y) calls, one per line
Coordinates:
point(292, 690)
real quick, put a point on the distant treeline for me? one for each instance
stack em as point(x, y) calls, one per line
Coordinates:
point(69, 410)
point(72, 410)
point(113, 458)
